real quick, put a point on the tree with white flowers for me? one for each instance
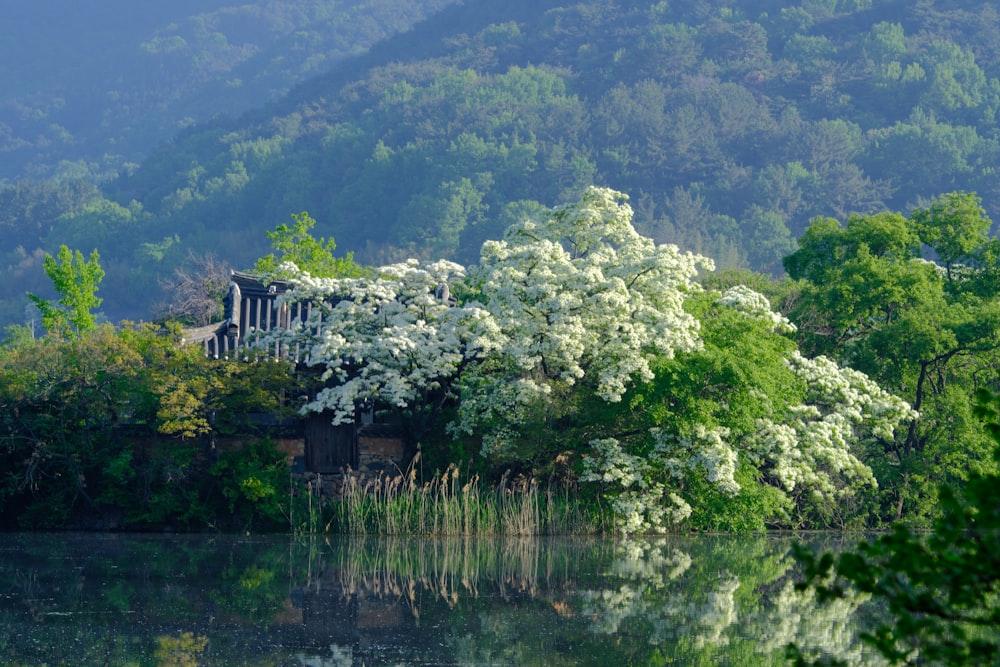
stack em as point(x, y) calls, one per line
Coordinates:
point(813, 448)
point(575, 329)
point(744, 432)
point(584, 301)
point(394, 339)
point(577, 299)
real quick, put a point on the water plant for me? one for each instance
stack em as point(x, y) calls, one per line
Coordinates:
point(447, 505)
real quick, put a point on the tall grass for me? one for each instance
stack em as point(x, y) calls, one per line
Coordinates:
point(447, 505)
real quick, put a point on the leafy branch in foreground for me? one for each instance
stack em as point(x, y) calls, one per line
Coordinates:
point(940, 589)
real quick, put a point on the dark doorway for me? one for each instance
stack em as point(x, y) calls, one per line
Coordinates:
point(330, 448)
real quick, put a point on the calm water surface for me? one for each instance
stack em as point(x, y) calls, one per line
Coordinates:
point(85, 599)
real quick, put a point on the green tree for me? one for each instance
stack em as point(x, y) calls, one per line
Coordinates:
point(76, 280)
point(59, 400)
point(885, 45)
point(315, 256)
point(955, 226)
point(924, 153)
point(438, 220)
point(926, 332)
point(69, 408)
point(100, 222)
point(956, 82)
point(941, 588)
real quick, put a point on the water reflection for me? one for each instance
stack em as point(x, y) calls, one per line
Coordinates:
point(211, 600)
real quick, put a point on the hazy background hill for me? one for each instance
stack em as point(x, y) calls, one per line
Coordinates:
point(730, 124)
point(106, 81)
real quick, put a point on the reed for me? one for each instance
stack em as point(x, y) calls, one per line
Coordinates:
point(304, 511)
point(447, 505)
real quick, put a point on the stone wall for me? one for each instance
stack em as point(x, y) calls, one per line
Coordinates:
point(378, 458)
point(382, 452)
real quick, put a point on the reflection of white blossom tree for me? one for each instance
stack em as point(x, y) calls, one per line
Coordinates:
point(821, 630)
point(704, 611)
point(649, 575)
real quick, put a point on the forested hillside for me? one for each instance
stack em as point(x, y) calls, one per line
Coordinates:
point(103, 83)
point(730, 124)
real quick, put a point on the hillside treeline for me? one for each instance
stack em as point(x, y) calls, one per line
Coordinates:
point(731, 125)
point(97, 87)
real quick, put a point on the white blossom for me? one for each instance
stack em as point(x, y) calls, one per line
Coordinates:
point(751, 302)
point(388, 338)
point(811, 449)
point(582, 291)
point(705, 448)
point(581, 294)
point(638, 504)
point(610, 464)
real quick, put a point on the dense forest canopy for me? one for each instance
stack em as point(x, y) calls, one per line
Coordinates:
point(731, 125)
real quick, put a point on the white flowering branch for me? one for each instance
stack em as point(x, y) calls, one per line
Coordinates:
point(813, 450)
point(391, 339)
point(581, 296)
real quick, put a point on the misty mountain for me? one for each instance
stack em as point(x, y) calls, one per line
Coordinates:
point(104, 82)
point(730, 125)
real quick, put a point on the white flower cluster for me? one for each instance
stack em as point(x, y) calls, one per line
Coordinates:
point(611, 464)
point(391, 338)
point(751, 302)
point(812, 449)
point(639, 505)
point(705, 448)
point(583, 293)
point(579, 294)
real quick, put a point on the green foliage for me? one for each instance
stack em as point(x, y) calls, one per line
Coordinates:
point(738, 377)
point(101, 223)
point(314, 256)
point(168, 489)
point(955, 226)
point(154, 73)
point(767, 116)
point(112, 428)
point(940, 588)
point(59, 400)
point(76, 281)
point(926, 331)
point(255, 482)
point(742, 433)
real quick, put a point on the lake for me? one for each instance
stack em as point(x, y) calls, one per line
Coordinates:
point(111, 599)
